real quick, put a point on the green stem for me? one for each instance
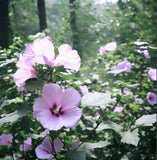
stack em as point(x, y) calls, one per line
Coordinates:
point(117, 148)
point(99, 121)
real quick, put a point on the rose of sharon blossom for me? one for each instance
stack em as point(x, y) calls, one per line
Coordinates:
point(45, 149)
point(111, 46)
point(152, 74)
point(108, 47)
point(84, 89)
point(57, 108)
point(118, 109)
point(6, 139)
point(67, 57)
point(24, 73)
point(102, 50)
point(146, 54)
point(125, 65)
point(151, 98)
point(42, 52)
point(125, 90)
point(27, 145)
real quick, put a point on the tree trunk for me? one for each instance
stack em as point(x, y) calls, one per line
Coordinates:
point(4, 23)
point(75, 34)
point(42, 14)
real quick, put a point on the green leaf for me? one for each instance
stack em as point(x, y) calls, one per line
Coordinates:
point(11, 117)
point(33, 84)
point(36, 136)
point(130, 137)
point(9, 101)
point(97, 99)
point(76, 155)
point(99, 144)
point(116, 71)
point(109, 125)
point(146, 120)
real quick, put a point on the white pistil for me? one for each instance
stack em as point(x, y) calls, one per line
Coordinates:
point(56, 110)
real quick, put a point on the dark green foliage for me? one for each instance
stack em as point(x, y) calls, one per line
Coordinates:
point(127, 135)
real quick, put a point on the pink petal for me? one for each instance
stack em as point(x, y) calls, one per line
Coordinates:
point(146, 54)
point(21, 75)
point(75, 144)
point(71, 97)
point(57, 145)
point(151, 98)
point(64, 48)
point(102, 50)
point(111, 46)
point(44, 151)
point(41, 51)
point(6, 139)
point(28, 141)
point(127, 91)
point(50, 121)
point(84, 90)
point(128, 66)
point(152, 74)
point(97, 115)
point(27, 145)
point(68, 58)
point(40, 104)
point(52, 93)
point(71, 117)
point(103, 107)
point(118, 109)
point(29, 55)
point(124, 65)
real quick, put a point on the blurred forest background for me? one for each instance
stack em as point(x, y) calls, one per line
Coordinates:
point(85, 25)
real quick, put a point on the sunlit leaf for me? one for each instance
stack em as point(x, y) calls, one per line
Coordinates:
point(11, 117)
point(9, 101)
point(76, 155)
point(116, 71)
point(36, 136)
point(109, 125)
point(97, 99)
point(99, 144)
point(130, 137)
point(146, 120)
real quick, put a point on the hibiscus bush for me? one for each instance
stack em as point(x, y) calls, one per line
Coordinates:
point(56, 106)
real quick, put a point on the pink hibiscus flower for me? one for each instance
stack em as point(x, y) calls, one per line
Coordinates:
point(46, 151)
point(24, 73)
point(108, 47)
point(57, 108)
point(125, 90)
point(146, 54)
point(151, 98)
point(118, 109)
point(67, 57)
point(111, 46)
point(42, 52)
point(102, 50)
point(27, 145)
point(125, 65)
point(6, 139)
point(84, 89)
point(152, 74)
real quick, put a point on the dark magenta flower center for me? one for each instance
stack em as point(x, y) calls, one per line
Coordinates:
point(56, 110)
